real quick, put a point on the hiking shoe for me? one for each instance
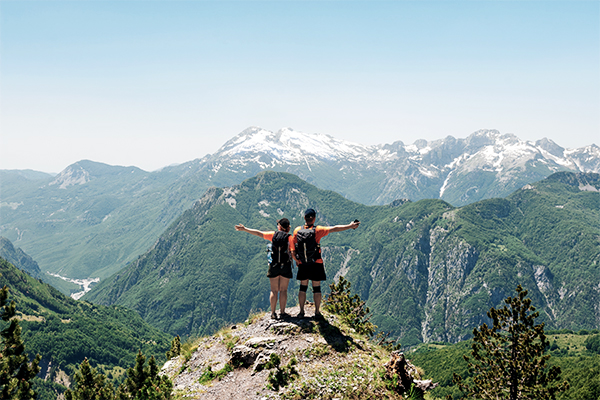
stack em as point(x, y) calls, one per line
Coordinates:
point(300, 314)
point(284, 315)
point(319, 316)
point(273, 316)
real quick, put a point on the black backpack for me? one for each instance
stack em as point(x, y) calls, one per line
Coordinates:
point(279, 248)
point(308, 249)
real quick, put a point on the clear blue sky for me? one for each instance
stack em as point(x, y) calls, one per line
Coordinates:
point(151, 83)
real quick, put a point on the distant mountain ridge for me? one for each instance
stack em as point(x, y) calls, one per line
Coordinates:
point(429, 271)
point(92, 219)
point(485, 164)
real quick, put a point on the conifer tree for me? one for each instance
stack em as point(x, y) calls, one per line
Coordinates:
point(349, 307)
point(16, 372)
point(90, 385)
point(508, 360)
point(144, 382)
point(175, 348)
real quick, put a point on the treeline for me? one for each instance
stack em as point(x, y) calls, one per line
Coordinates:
point(18, 375)
point(65, 332)
point(577, 354)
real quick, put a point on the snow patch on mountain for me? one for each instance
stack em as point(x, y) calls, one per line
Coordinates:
point(403, 171)
point(289, 146)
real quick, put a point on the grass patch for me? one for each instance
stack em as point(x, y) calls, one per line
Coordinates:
point(317, 351)
point(209, 375)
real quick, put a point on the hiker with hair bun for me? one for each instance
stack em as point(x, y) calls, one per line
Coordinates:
point(306, 250)
point(280, 262)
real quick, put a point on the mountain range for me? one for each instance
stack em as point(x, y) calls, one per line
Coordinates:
point(92, 219)
point(429, 271)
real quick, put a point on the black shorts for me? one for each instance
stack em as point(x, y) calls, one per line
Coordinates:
point(311, 271)
point(277, 269)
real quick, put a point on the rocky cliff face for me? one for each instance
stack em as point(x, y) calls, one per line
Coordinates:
point(18, 257)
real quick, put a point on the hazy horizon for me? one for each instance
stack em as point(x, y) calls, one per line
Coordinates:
point(157, 83)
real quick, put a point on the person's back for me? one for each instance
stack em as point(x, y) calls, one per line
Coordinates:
point(279, 261)
point(306, 251)
point(280, 248)
point(307, 247)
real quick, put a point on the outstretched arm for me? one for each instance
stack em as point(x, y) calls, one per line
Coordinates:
point(340, 228)
point(255, 232)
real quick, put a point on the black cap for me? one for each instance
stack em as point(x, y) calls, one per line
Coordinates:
point(310, 213)
point(284, 222)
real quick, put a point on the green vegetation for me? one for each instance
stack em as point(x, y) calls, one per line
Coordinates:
point(592, 343)
point(175, 349)
point(280, 376)
point(208, 375)
point(579, 367)
point(65, 332)
point(508, 358)
point(143, 383)
point(428, 271)
point(16, 372)
point(350, 307)
point(89, 384)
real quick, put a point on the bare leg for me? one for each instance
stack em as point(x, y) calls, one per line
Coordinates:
point(302, 296)
point(273, 296)
point(283, 286)
point(317, 297)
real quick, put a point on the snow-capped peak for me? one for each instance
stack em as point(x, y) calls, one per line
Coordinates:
point(290, 145)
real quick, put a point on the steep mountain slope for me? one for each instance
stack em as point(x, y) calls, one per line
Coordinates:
point(20, 259)
point(65, 331)
point(430, 271)
point(92, 219)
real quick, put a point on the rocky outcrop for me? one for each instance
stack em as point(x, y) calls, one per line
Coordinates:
point(247, 361)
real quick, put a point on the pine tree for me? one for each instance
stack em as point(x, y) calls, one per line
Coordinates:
point(90, 385)
point(16, 372)
point(144, 382)
point(508, 358)
point(349, 307)
point(175, 348)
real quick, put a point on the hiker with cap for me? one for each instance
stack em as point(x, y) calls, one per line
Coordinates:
point(306, 250)
point(280, 262)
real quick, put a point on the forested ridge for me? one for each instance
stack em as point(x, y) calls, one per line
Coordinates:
point(428, 270)
point(66, 331)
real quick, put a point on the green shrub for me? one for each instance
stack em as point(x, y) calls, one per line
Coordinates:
point(278, 376)
point(349, 307)
point(592, 343)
